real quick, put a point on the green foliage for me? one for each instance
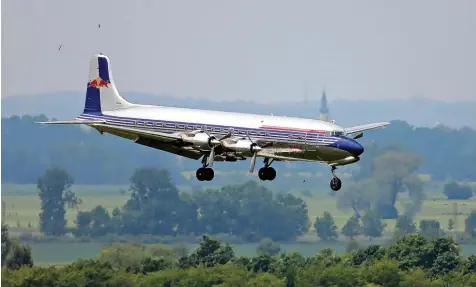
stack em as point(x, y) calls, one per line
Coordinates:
point(6, 243)
point(248, 211)
point(138, 257)
point(450, 224)
point(325, 227)
point(411, 261)
point(268, 246)
point(372, 224)
point(54, 194)
point(455, 190)
point(14, 254)
point(404, 225)
point(430, 229)
point(352, 228)
point(210, 252)
point(383, 273)
point(470, 224)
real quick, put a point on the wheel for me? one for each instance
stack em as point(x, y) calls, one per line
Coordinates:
point(271, 173)
point(200, 174)
point(335, 184)
point(209, 174)
point(262, 173)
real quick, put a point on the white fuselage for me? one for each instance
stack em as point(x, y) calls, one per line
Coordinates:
point(293, 138)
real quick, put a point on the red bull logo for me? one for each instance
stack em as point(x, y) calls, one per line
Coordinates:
point(98, 83)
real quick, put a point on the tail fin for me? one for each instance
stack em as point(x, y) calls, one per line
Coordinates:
point(102, 94)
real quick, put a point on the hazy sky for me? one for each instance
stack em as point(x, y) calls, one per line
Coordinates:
point(252, 50)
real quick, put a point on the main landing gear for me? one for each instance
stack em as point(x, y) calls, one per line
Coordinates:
point(205, 173)
point(335, 183)
point(267, 172)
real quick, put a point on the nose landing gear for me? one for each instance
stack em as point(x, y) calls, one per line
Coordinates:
point(335, 183)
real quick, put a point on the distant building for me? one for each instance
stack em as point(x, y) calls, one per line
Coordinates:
point(324, 110)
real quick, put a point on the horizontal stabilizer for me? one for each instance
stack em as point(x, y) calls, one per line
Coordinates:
point(358, 129)
point(73, 122)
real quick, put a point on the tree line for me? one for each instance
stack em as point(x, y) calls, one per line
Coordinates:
point(247, 211)
point(92, 158)
point(411, 260)
point(156, 207)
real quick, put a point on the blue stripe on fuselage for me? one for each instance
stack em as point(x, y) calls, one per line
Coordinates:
point(260, 133)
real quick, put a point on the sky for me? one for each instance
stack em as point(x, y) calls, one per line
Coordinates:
point(262, 51)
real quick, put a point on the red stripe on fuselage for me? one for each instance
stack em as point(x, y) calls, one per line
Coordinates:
point(292, 129)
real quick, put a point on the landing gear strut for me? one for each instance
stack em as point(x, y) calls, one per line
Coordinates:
point(267, 172)
point(205, 173)
point(335, 183)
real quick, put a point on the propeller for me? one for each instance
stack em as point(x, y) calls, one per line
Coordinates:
point(213, 143)
point(254, 149)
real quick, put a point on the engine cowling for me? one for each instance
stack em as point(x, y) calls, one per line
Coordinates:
point(199, 140)
point(243, 146)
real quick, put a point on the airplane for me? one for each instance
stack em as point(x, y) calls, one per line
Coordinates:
point(216, 135)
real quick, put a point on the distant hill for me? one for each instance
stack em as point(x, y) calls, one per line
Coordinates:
point(416, 111)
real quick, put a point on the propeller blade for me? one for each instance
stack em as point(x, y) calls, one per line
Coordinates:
point(226, 136)
point(252, 164)
point(211, 157)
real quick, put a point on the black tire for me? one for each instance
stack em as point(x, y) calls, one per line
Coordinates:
point(210, 174)
point(200, 174)
point(335, 184)
point(262, 173)
point(271, 173)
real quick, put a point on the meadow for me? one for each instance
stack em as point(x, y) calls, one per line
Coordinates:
point(22, 206)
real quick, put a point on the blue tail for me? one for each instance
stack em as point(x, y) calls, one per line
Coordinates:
point(101, 93)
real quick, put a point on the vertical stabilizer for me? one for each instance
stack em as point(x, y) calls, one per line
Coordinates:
point(101, 93)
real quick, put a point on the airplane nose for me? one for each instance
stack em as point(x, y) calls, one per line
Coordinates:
point(350, 145)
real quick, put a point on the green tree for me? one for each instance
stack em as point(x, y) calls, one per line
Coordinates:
point(326, 227)
point(6, 243)
point(19, 255)
point(383, 273)
point(14, 254)
point(268, 246)
point(53, 186)
point(352, 228)
point(372, 224)
point(450, 224)
point(455, 190)
point(94, 223)
point(446, 257)
point(210, 252)
point(404, 225)
point(391, 172)
point(430, 229)
point(470, 223)
point(155, 206)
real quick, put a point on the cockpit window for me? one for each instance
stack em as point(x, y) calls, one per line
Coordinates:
point(334, 133)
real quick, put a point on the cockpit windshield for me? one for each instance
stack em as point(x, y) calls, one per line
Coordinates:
point(335, 133)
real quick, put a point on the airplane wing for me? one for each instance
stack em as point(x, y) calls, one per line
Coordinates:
point(361, 128)
point(171, 143)
point(73, 122)
point(163, 141)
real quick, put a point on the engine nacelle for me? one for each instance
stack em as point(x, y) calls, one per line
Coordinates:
point(243, 146)
point(199, 140)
